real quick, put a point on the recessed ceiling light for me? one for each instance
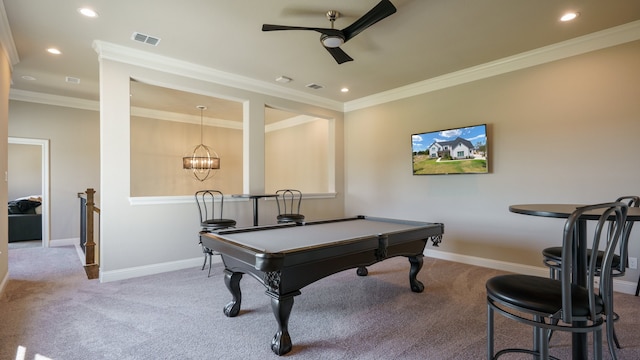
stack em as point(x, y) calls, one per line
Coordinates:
point(88, 12)
point(569, 16)
point(28, 78)
point(344, 89)
point(54, 51)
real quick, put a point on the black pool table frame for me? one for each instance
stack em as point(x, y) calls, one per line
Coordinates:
point(284, 270)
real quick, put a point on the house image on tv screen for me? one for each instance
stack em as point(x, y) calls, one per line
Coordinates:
point(452, 151)
point(455, 149)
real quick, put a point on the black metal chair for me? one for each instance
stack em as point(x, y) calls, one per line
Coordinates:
point(552, 258)
point(561, 304)
point(211, 206)
point(289, 201)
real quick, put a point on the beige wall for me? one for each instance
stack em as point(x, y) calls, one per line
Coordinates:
point(5, 81)
point(157, 148)
point(25, 170)
point(566, 131)
point(297, 157)
point(74, 155)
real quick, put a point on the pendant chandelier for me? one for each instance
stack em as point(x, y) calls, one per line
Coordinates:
point(203, 159)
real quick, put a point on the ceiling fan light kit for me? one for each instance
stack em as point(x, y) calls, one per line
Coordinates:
point(332, 38)
point(331, 41)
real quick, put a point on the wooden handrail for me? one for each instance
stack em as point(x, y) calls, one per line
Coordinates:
point(87, 240)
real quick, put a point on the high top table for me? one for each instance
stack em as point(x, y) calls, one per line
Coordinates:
point(255, 198)
point(563, 211)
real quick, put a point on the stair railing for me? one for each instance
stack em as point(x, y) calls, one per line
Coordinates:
point(88, 230)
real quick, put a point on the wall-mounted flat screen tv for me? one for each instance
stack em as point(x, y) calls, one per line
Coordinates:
point(451, 151)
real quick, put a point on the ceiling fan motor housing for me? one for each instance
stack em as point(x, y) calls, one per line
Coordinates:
point(331, 41)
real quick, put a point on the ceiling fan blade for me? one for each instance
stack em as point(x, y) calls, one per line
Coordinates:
point(339, 55)
point(269, 27)
point(330, 32)
point(379, 12)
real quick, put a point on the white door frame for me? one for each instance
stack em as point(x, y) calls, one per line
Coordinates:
point(44, 146)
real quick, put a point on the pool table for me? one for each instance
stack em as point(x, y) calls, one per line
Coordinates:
point(287, 257)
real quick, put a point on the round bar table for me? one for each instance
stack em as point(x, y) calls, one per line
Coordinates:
point(579, 341)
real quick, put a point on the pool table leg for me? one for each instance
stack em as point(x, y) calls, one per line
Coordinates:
point(281, 306)
point(232, 281)
point(416, 265)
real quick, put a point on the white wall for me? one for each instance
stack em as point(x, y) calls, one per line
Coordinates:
point(566, 131)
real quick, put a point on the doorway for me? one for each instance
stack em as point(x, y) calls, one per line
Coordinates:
point(43, 147)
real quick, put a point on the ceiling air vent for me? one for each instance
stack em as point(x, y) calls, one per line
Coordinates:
point(72, 80)
point(140, 37)
point(314, 86)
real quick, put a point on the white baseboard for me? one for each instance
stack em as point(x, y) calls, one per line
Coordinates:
point(122, 274)
point(621, 286)
point(488, 263)
point(64, 242)
point(626, 287)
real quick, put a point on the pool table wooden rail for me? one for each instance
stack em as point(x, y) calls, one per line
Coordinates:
point(304, 265)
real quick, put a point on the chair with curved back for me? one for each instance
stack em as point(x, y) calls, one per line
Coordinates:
point(561, 304)
point(289, 201)
point(211, 205)
point(552, 258)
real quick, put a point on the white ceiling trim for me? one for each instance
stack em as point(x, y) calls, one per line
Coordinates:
point(580, 45)
point(6, 38)
point(148, 60)
point(291, 122)
point(184, 118)
point(76, 103)
point(592, 42)
point(57, 100)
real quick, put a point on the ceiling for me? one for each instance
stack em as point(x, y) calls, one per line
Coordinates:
point(422, 40)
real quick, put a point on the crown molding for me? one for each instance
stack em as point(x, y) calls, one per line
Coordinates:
point(291, 122)
point(580, 45)
point(185, 118)
point(148, 60)
point(76, 103)
point(7, 45)
point(56, 100)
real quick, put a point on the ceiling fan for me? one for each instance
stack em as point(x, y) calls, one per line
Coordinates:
point(332, 38)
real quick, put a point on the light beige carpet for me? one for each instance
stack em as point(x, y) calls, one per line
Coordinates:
point(51, 309)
